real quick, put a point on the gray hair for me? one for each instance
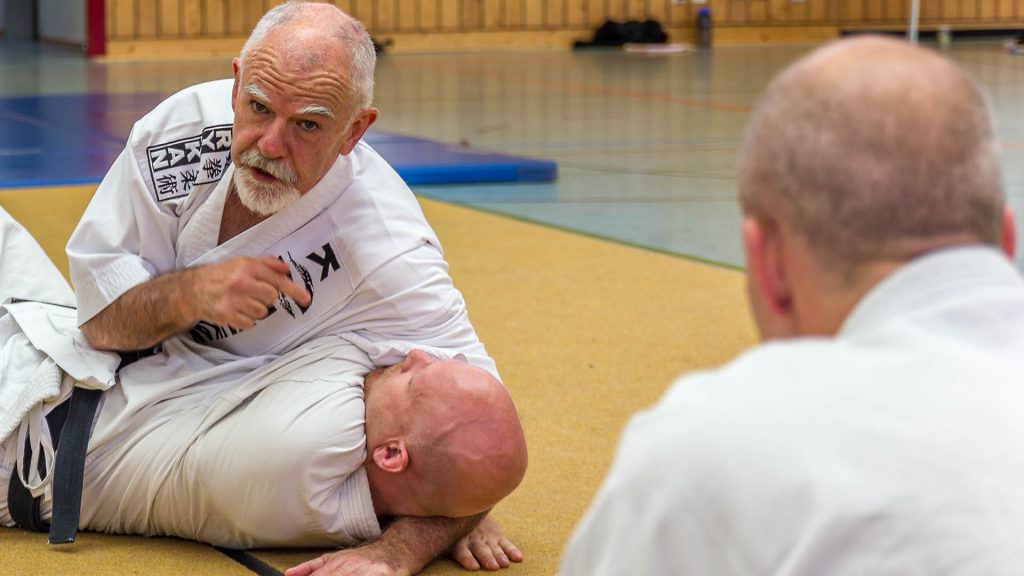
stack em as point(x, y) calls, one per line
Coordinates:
point(886, 155)
point(351, 34)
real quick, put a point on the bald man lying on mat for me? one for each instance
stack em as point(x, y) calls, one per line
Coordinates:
point(278, 458)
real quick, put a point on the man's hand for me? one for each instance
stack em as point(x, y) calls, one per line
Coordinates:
point(485, 547)
point(237, 292)
point(406, 546)
point(369, 560)
point(234, 293)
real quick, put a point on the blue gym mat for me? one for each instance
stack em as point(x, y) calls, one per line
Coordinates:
point(66, 140)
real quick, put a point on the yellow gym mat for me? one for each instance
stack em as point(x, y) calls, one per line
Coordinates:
point(585, 332)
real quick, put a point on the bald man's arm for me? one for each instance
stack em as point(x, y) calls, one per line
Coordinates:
point(406, 547)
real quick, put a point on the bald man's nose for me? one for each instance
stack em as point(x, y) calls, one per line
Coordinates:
point(416, 360)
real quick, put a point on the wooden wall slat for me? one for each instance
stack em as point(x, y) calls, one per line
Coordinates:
point(192, 11)
point(213, 19)
point(449, 15)
point(168, 15)
point(386, 17)
point(513, 15)
point(235, 18)
point(252, 11)
point(534, 15)
point(407, 15)
point(147, 17)
point(554, 11)
point(987, 9)
point(124, 18)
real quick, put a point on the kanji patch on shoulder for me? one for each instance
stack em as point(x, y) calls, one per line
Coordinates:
point(175, 168)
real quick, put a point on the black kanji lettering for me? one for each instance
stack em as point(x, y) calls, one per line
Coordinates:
point(167, 184)
point(188, 179)
point(213, 168)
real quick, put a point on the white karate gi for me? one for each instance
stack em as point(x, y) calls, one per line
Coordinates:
point(892, 449)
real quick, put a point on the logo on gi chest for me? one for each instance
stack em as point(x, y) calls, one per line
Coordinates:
point(175, 168)
point(324, 258)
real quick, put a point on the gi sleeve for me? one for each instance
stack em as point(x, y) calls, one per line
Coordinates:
point(410, 302)
point(124, 238)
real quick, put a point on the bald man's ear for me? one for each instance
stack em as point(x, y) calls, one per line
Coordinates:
point(767, 281)
point(1009, 233)
point(391, 456)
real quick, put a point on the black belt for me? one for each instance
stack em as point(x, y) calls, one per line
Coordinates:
point(72, 422)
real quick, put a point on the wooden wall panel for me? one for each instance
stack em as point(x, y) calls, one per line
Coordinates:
point(147, 16)
point(737, 13)
point(123, 23)
point(987, 9)
point(554, 14)
point(213, 19)
point(575, 13)
point(658, 10)
point(969, 10)
point(236, 18)
point(950, 11)
point(450, 10)
point(406, 16)
point(429, 15)
point(168, 17)
point(192, 18)
point(345, 5)
point(512, 15)
point(535, 16)
point(252, 11)
point(210, 20)
point(758, 13)
point(489, 15)
point(820, 11)
point(386, 16)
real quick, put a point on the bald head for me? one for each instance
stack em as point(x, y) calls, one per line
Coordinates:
point(873, 150)
point(466, 442)
point(444, 438)
point(315, 35)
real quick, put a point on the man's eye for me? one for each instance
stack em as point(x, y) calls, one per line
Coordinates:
point(308, 125)
point(258, 107)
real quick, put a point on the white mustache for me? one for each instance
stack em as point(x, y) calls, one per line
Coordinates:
point(276, 168)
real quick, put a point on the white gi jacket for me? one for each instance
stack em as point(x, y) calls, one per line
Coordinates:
point(892, 449)
point(357, 241)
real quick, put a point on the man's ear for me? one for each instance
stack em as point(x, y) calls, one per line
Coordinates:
point(236, 67)
point(391, 456)
point(766, 270)
point(359, 126)
point(1009, 233)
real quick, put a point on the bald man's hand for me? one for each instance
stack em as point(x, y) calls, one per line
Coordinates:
point(369, 560)
point(485, 547)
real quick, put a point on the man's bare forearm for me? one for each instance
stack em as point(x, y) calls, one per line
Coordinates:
point(413, 542)
point(144, 316)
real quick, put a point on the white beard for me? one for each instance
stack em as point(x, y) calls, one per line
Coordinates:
point(262, 198)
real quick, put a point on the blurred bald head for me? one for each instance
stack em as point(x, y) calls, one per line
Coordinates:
point(873, 150)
